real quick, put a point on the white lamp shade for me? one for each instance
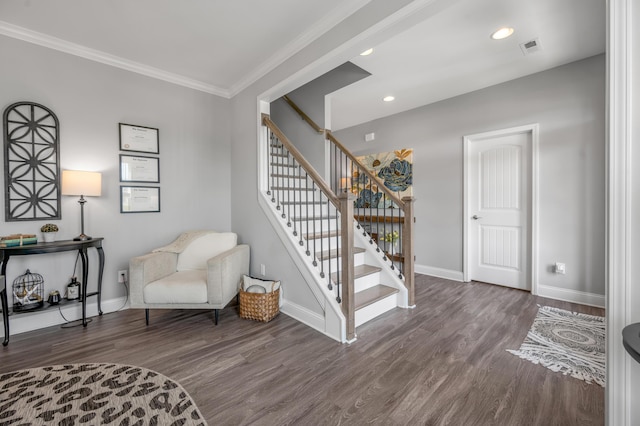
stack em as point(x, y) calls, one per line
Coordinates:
point(76, 182)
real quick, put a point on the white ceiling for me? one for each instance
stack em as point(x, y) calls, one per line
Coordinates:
point(452, 53)
point(213, 45)
point(221, 47)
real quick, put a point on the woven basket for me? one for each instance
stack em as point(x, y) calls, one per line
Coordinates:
point(259, 306)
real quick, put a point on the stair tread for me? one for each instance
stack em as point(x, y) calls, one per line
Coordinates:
point(280, 175)
point(310, 203)
point(325, 234)
point(330, 254)
point(360, 271)
point(291, 188)
point(309, 219)
point(373, 294)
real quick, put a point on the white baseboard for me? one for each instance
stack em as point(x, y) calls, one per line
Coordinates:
point(312, 319)
point(439, 272)
point(573, 296)
point(24, 322)
point(304, 315)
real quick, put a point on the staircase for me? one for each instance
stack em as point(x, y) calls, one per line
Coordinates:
point(351, 277)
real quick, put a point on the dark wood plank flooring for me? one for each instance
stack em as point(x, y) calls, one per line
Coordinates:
point(442, 363)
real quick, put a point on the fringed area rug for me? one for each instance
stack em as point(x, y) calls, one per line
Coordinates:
point(94, 394)
point(568, 342)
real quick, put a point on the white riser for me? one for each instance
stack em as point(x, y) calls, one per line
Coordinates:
point(291, 182)
point(282, 169)
point(317, 248)
point(325, 242)
point(279, 155)
point(287, 195)
point(358, 259)
point(366, 282)
point(294, 213)
point(301, 216)
point(376, 309)
point(281, 162)
point(326, 226)
point(309, 210)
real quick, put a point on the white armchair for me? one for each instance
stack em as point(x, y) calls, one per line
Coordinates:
point(199, 270)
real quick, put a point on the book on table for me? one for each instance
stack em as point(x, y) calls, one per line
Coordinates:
point(16, 240)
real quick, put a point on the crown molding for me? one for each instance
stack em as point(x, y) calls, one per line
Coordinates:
point(61, 45)
point(318, 29)
point(322, 26)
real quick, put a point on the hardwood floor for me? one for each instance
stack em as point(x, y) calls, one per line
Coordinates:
point(442, 363)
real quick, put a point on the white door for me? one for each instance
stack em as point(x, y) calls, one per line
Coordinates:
point(497, 210)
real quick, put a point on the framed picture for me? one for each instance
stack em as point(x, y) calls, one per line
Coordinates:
point(139, 199)
point(139, 139)
point(139, 169)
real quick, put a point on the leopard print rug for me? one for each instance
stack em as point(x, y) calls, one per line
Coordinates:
point(93, 394)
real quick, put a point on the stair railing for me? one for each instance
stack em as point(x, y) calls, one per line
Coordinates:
point(382, 216)
point(321, 221)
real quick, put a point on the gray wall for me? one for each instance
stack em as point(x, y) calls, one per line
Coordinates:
point(90, 99)
point(569, 104)
point(310, 98)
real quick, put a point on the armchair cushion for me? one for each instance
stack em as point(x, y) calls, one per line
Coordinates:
point(196, 254)
point(180, 287)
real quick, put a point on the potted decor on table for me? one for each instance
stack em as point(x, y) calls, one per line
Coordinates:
point(49, 232)
point(391, 242)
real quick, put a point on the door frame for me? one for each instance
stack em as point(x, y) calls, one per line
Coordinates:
point(533, 129)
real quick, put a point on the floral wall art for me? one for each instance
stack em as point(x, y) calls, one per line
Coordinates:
point(392, 169)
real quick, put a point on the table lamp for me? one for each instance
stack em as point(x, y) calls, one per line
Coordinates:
point(76, 182)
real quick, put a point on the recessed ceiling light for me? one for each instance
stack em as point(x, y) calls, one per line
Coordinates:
point(388, 98)
point(502, 33)
point(367, 52)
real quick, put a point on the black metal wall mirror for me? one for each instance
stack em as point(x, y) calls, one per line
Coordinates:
point(31, 162)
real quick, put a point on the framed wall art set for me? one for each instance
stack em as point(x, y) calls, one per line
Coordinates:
point(139, 169)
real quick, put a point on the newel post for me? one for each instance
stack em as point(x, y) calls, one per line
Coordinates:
point(347, 274)
point(407, 249)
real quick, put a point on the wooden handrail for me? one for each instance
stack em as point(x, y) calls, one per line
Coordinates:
point(370, 175)
point(315, 176)
point(304, 116)
point(378, 218)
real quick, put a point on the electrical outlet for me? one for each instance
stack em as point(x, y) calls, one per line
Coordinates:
point(263, 270)
point(123, 276)
point(561, 268)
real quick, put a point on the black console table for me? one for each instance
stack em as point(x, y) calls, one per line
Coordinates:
point(631, 340)
point(43, 248)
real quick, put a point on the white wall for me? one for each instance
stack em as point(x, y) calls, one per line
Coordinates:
point(633, 306)
point(569, 104)
point(90, 99)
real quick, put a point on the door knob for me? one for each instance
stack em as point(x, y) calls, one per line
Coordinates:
point(476, 217)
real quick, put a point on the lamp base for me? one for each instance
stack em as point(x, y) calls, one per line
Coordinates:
point(82, 237)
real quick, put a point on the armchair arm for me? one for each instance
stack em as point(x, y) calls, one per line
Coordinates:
point(224, 274)
point(148, 268)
